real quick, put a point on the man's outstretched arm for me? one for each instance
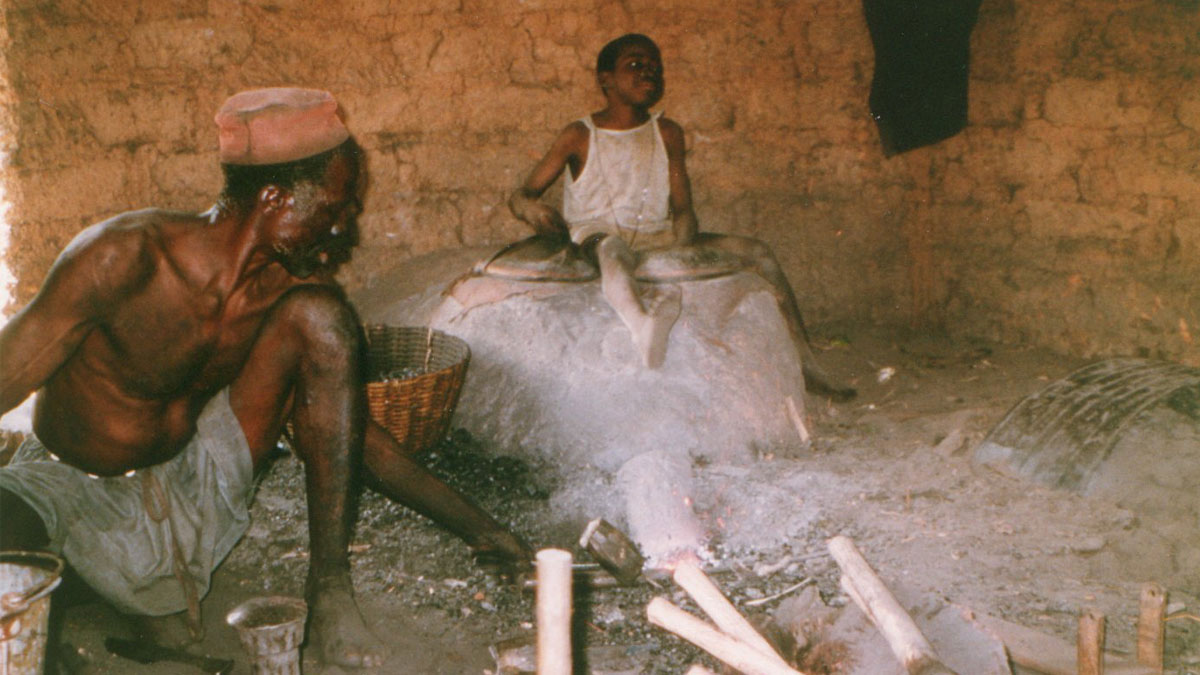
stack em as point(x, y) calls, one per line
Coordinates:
point(401, 477)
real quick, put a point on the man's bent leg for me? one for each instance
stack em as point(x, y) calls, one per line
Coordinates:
point(308, 360)
point(21, 528)
point(767, 267)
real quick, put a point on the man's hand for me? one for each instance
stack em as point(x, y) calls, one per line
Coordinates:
point(503, 553)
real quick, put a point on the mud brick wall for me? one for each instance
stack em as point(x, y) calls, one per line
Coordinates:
point(1064, 216)
point(1068, 215)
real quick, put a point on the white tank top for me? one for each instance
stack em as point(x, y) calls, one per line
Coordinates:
point(624, 182)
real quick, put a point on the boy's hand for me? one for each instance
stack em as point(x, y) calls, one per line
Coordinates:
point(545, 219)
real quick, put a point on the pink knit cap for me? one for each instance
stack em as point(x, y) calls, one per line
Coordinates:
point(278, 124)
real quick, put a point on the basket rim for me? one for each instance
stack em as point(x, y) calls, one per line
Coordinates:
point(387, 344)
point(440, 372)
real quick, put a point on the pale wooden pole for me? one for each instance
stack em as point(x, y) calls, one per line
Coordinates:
point(875, 600)
point(714, 603)
point(736, 654)
point(553, 599)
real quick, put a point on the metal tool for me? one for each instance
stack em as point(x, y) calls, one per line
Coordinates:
point(148, 652)
point(615, 551)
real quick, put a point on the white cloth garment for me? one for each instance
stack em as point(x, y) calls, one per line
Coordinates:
point(624, 187)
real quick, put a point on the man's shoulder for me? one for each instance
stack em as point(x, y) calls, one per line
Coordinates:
point(128, 240)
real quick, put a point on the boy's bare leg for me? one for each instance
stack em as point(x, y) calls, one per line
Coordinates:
point(767, 267)
point(651, 323)
point(306, 364)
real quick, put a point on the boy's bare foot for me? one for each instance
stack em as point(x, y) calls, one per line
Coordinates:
point(338, 632)
point(817, 381)
point(663, 305)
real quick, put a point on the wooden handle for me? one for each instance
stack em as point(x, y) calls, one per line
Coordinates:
point(553, 600)
point(718, 608)
point(736, 654)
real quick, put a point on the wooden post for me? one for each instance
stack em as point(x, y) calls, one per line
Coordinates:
point(1043, 653)
point(718, 608)
point(1089, 647)
point(553, 600)
point(1151, 615)
point(737, 655)
point(876, 601)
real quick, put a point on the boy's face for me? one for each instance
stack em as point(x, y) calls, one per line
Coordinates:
point(637, 78)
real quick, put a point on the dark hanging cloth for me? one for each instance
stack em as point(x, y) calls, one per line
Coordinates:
point(919, 92)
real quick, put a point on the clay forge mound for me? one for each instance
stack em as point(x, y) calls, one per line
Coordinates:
point(554, 378)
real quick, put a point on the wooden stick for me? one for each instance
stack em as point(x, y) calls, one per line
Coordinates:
point(718, 608)
point(873, 598)
point(553, 612)
point(797, 420)
point(698, 669)
point(1044, 653)
point(1089, 648)
point(737, 655)
point(1151, 615)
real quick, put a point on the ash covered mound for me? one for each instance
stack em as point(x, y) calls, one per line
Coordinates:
point(554, 377)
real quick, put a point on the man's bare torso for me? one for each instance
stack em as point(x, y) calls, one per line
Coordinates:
point(174, 333)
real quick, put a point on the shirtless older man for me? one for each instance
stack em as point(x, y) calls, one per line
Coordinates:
point(168, 351)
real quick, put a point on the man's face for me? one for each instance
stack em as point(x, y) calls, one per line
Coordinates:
point(319, 226)
point(637, 77)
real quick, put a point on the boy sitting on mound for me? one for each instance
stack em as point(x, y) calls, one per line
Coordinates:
point(627, 191)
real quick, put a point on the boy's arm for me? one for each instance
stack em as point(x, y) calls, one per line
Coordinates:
point(525, 203)
point(91, 273)
point(682, 215)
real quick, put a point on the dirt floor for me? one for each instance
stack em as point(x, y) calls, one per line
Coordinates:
point(891, 469)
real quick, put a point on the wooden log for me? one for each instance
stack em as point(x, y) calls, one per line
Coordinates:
point(1152, 613)
point(1089, 647)
point(736, 654)
point(718, 608)
point(553, 612)
point(1044, 653)
point(875, 600)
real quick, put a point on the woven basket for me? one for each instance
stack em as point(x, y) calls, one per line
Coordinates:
point(416, 408)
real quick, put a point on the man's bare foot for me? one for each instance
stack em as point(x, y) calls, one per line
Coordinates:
point(337, 630)
point(663, 305)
